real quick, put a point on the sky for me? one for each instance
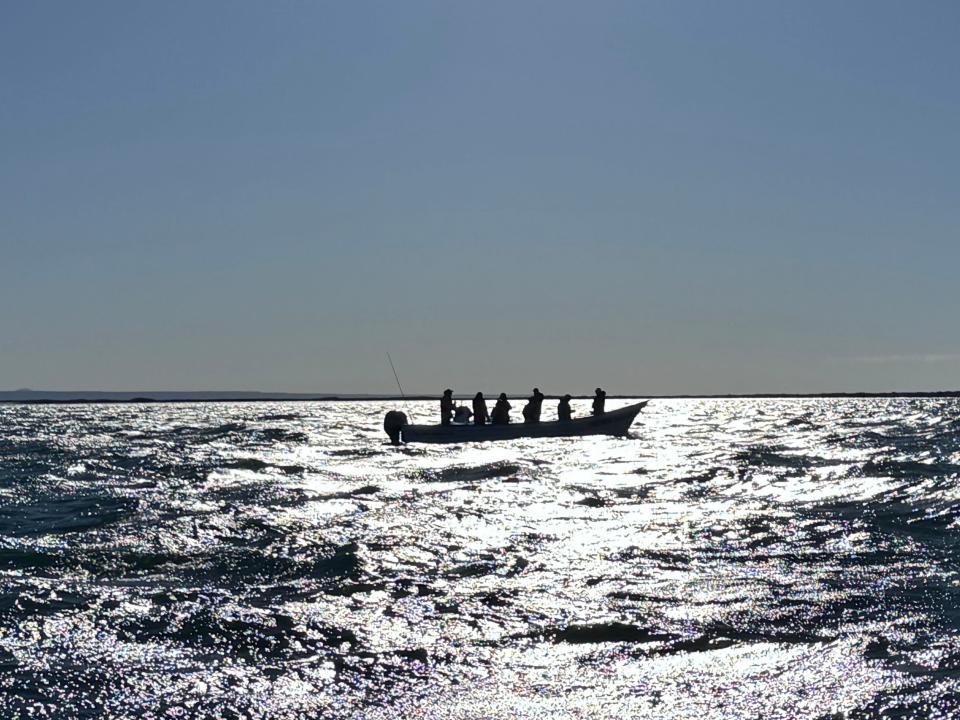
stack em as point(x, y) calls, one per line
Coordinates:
point(657, 197)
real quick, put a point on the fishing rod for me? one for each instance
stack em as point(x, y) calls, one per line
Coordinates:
point(397, 378)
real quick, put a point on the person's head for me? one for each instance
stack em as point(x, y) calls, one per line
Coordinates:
point(503, 396)
point(478, 396)
point(599, 391)
point(448, 392)
point(567, 397)
point(536, 391)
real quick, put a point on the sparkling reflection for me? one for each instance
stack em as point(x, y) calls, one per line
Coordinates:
point(731, 559)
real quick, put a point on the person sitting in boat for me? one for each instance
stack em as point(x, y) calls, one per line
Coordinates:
point(446, 406)
point(598, 401)
point(501, 411)
point(462, 415)
point(480, 414)
point(563, 409)
point(531, 411)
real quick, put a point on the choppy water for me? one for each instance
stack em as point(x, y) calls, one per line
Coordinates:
point(733, 559)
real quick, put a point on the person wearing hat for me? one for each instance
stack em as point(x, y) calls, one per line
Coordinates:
point(563, 409)
point(446, 407)
point(501, 411)
point(598, 401)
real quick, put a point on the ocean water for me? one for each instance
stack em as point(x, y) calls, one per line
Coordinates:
point(730, 559)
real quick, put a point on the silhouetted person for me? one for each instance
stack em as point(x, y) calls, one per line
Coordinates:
point(446, 406)
point(598, 400)
point(462, 414)
point(563, 409)
point(531, 411)
point(480, 414)
point(501, 411)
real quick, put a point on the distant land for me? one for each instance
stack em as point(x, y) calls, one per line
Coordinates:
point(26, 396)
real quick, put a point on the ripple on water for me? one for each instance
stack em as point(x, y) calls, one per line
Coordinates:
point(731, 559)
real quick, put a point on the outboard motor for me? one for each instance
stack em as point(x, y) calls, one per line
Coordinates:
point(393, 423)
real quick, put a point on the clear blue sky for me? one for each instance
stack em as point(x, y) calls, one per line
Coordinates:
point(654, 196)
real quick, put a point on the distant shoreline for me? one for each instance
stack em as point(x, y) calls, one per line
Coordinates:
point(108, 398)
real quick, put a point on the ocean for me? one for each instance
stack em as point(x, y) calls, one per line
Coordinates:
point(793, 558)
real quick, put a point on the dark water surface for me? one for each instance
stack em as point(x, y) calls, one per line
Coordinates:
point(733, 559)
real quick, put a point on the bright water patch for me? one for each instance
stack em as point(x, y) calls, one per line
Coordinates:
point(732, 559)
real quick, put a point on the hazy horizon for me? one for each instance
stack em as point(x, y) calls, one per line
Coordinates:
point(30, 394)
point(690, 198)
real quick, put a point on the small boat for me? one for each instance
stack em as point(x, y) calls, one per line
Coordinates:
point(613, 422)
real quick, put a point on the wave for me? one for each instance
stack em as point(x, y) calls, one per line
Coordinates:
point(605, 632)
point(63, 515)
point(257, 465)
point(469, 473)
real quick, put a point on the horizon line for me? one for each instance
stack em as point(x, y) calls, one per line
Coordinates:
point(30, 396)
